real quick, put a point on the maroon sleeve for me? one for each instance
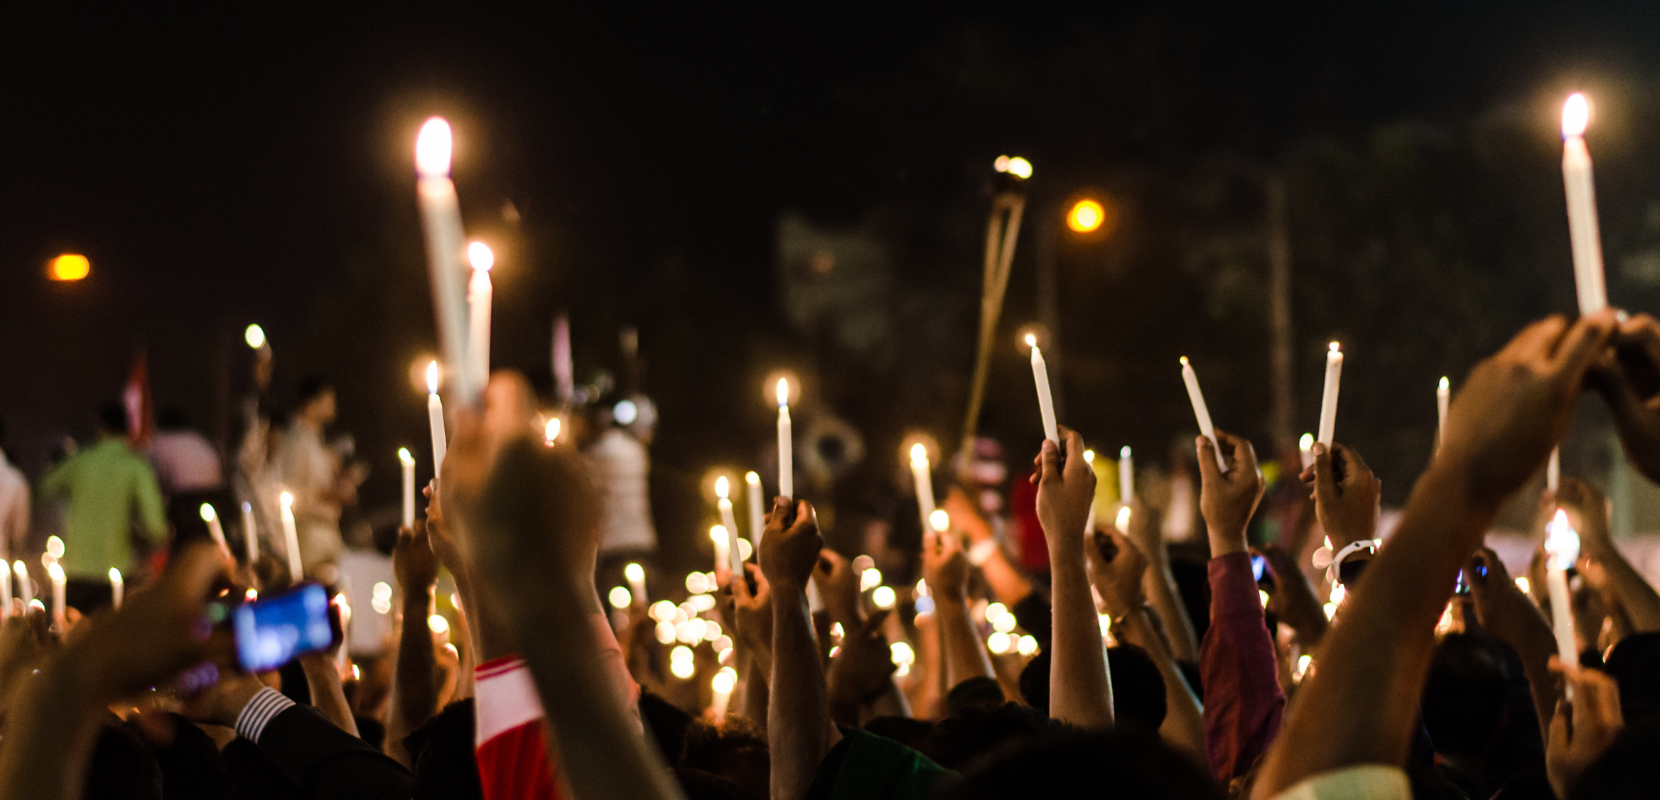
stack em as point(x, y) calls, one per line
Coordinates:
point(1243, 700)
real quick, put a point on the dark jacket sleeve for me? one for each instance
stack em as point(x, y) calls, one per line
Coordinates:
point(328, 762)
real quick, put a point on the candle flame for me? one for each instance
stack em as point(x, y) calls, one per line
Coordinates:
point(724, 681)
point(21, 569)
point(551, 431)
point(1444, 384)
point(634, 572)
point(1123, 521)
point(939, 520)
point(919, 453)
point(207, 513)
point(55, 572)
point(405, 458)
point(437, 624)
point(752, 479)
point(1576, 114)
point(432, 148)
point(1306, 443)
point(1561, 541)
point(717, 533)
point(287, 500)
point(722, 487)
point(1183, 359)
point(54, 547)
point(1335, 348)
point(783, 391)
point(480, 255)
point(432, 377)
point(1031, 340)
point(1124, 452)
point(254, 336)
point(1089, 456)
point(1013, 165)
point(115, 576)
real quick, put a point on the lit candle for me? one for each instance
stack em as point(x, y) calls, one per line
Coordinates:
point(407, 461)
point(25, 587)
point(723, 546)
point(723, 683)
point(1582, 207)
point(1553, 470)
point(636, 576)
point(734, 557)
point(54, 571)
point(1126, 475)
point(757, 517)
point(441, 221)
point(939, 520)
point(550, 433)
point(786, 447)
point(1201, 412)
point(5, 592)
point(1305, 449)
point(1046, 401)
point(1561, 550)
point(1328, 399)
point(480, 294)
point(291, 539)
point(118, 588)
point(1089, 521)
point(1443, 397)
point(250, 533)
point(922, 475)
point(435, 420)
point(215, 530)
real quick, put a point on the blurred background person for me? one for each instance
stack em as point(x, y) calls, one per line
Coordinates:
point(189, 470)
point(317, 476)
point(14, 503)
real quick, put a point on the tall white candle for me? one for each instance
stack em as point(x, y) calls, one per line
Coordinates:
point(636, 576)
point(480, 296)
point(1089, 521)
point(435, 420)
point(757, 514)
point(734, 556)
point(118, 588)
point(54, 571)
point(1201, 412)
point(291, 539)
point(786, 446)
point(1443, 398)
point(1126, 475)
point(1305, 449)
point(922, 476)
point(5, 592)
point(721, 536)
point(1553, 469)
point(1561, 550)
point(250, 533)
point(441, 221)
point(215, 530)
point(1582, 207)
point(407, 462)
point(1328, 398)
point(722, 684)
point(1046, 401)
point(25, 587)
point(564, 381)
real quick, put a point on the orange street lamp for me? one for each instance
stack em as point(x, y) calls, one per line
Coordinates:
point(1086, 216)
point(68, 267)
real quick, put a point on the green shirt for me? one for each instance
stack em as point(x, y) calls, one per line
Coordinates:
point(864, 766)
point(110, 488)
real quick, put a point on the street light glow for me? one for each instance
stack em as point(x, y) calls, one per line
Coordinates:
point(1086, 216)
point(69, 267)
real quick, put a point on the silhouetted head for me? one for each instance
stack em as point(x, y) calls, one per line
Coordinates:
point(441, 754)
point(316, 401)
point(112, 419)
point(1464, 695)
point(1068, 764)
point(736, 750)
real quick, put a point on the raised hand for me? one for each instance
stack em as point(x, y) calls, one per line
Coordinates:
point(413, 562)
point(752, 616)
point(1346, 494)
point(1516, 404)
point(1588, 513)
point(1500, 605)
point(1116, 568)
point(838, 585)
point(864, 666)
point(1581, 731)
point(1228, 499)
point(1628, 377)
point(1064, 493)
point(788, 555)
point(944, 565)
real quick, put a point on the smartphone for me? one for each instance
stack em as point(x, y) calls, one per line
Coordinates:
point(273, 630)
point(1258, 564)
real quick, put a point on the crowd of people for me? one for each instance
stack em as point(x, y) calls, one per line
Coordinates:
point(1418, 667)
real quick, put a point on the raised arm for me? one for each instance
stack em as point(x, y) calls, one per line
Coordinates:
point(1589, 512)
point(1079, 691)
point(1360, 705)
point(1160, 582)
point(1512, 618)
point(799, 732)
point(415, 677)
point(1243, 699)
point(945, 567)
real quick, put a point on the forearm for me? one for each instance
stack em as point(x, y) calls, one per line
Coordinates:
point(1244, 704)
point(965, 656)
point(323, 679)
point(414, 681)
point(1637, 597)
point(1361, 704)
point(57, 725)
point(1184, 724)
point(1079, 691)
point(756, 694)
point(1534, 648)
point(798, 718)
point(1161, 594)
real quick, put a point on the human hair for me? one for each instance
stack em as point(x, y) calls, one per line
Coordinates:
point(121, 766)
point(959, 739)
point(112, 418)
point(191, 767)
point(735, 750)
point(666, 723)
point(441, 755)
point(1072, 763)
point(1464, 696)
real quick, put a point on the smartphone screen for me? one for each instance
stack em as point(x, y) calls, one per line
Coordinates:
point(272, 631)
point(1257, 565)
point(1463, 585)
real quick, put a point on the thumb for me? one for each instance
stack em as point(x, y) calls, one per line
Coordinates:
point(1209, 472)
point(1325, 482)
point(1049, 461)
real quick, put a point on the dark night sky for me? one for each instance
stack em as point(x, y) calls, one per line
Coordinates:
point(221, 167)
